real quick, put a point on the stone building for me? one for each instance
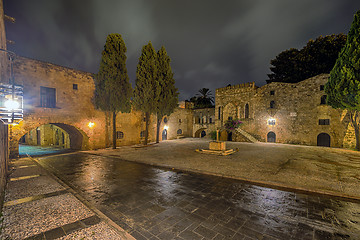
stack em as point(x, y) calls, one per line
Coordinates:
point(204, 122)
point(58, 108)
point(294, 113)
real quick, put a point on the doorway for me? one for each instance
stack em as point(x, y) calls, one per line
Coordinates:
point(271, 137)
point(164, 134)
point(323, 140)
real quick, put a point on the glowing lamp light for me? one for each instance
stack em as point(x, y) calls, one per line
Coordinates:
point(166, 127)
point(91, 124)
point(271, 121)
point(11, 104)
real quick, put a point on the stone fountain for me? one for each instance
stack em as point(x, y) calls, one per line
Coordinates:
point(217, 147)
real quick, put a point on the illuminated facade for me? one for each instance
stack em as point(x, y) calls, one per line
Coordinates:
point(294, 113)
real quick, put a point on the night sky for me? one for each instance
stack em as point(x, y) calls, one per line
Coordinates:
point(211, 43)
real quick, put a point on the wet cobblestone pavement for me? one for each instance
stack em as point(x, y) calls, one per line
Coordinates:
point(155, 203)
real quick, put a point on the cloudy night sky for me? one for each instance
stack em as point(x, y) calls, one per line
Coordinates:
point(211, 43)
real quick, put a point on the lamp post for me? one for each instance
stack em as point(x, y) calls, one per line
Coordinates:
point(11, 96)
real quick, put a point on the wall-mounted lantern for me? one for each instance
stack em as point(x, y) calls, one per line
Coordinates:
point(91, 124)
point(271, 121)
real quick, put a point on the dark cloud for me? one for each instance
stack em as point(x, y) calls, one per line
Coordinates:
point(211, 43)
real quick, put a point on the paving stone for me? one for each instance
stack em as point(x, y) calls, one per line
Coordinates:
point(158, 203)
point(205, 232)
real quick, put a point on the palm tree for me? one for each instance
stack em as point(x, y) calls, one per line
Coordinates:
point(204, 99)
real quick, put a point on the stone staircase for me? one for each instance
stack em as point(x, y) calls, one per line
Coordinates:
point(247, 135)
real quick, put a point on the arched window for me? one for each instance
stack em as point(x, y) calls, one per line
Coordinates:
point(179, 132)
point(323, 99)
point(165, 120)
point(142, 134)
point(272, 104)
point(120, 135)
point(247, 110)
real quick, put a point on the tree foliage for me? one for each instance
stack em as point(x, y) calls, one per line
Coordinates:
point(147, 90)
point(318, 56)
point(168, 93)
point(112, 87)
point(343, 87)
point(203, 99)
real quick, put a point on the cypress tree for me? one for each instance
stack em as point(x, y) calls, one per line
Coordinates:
point(146, 87)
point(168, 94)
point(343, 87)
point(113, 90)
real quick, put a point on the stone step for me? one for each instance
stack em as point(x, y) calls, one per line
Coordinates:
point(247, 135)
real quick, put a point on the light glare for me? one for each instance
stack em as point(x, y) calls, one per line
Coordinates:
point(11, 104)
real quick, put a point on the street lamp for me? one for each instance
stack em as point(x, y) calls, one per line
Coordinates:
point(11, 96)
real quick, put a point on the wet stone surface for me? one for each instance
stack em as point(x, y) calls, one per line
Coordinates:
point(155, 203)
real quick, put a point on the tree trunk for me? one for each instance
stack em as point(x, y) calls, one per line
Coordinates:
point(147, 119)
point(107, 129)
point(158, 123)
point(354, 121)
point(114, 130)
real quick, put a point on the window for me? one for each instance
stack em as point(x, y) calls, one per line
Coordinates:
point(197, 120)
point(272, 92)
point(230, 118)
point(210, 120)
point(47, 97)
point(323, 99)
point(322, 87)
point(180, 120)
point(179, 132)
point(324, 121)
point(119, 135)
point(165, 120)
point(219, 113)
point(142, 134)
point(247, 110)
point(75, 86)
point(272, 104)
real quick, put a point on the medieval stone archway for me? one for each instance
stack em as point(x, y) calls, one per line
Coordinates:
point(230, 112)
point(199, 133)
point(52, 134)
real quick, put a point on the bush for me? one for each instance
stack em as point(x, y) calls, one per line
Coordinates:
point(232, 124)
point(213, 135)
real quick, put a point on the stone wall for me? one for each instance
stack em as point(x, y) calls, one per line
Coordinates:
point(74, 105)
point(4, 77)
point(3, 160)
point(203, 120)
point(295, 108)
point(75, 109)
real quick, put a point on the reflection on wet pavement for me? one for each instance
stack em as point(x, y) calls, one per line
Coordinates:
point(155, 203)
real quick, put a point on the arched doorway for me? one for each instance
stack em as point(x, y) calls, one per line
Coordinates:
point(199, 133)
point(323, 139)
point(164, 134)
point(271, 137)
point(229, 136)
point(203, 133)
